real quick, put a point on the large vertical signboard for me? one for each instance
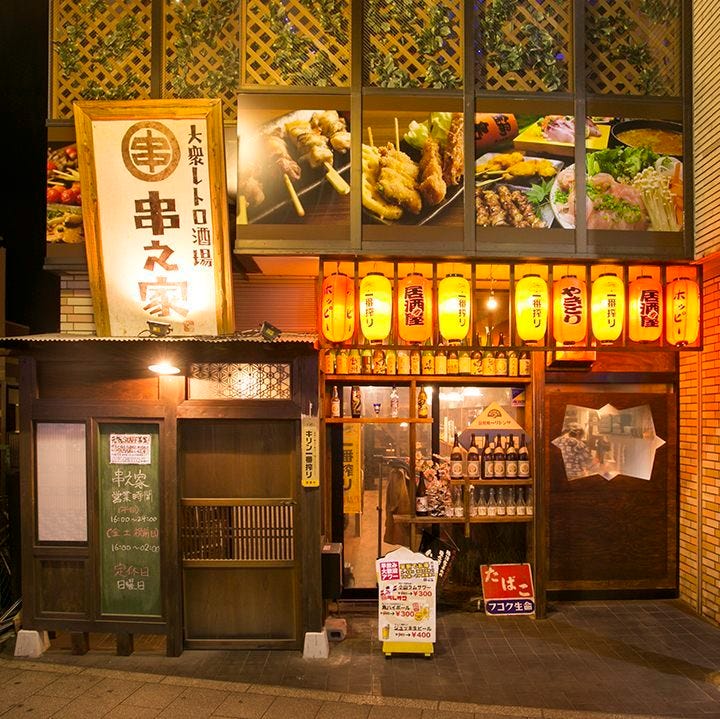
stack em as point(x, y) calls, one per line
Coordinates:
point(129, 498)
point(155, 214)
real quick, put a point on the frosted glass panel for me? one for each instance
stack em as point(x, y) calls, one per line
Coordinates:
point(61, 482)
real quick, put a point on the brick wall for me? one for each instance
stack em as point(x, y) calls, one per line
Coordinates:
point(699, 451)
point(76, 311)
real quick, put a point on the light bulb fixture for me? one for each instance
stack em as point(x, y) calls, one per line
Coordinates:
point(164, 367)
point(159, 329)
point(491, 303)
point(269, 332)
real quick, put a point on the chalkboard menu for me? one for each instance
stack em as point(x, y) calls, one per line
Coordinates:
point(129, 519)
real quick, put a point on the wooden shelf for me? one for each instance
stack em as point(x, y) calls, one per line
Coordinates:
point(377, 420)
point(423, 378)
point(492, 482)
point(462, 520)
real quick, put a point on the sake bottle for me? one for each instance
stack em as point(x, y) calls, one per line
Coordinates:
point(492, 504)
point(501, 506)
point(456, 460)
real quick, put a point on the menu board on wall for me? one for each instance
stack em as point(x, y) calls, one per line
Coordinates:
point(407, 584)
point(129, 500)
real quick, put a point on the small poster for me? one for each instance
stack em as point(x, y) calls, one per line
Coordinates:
point(407, 587)
point(507, 589)
point(310, 440)
point(352, 484)
point(130, 449)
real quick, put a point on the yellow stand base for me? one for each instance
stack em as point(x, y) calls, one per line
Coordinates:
point(390, 648)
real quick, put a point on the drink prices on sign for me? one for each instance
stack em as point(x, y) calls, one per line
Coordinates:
point(407, 590)
point(507, 589)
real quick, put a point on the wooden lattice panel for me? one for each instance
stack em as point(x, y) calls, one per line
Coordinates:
point(553, 17)
point(201, 51)
point(397, 42)
point(263, 44)
point(91, 57)
point(609, 74)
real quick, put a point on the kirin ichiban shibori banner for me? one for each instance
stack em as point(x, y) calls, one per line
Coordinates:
point(155, 214)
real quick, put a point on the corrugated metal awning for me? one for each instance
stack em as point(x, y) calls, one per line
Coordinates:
point(255, 336)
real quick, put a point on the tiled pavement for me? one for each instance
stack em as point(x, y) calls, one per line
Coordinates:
point(622, 658)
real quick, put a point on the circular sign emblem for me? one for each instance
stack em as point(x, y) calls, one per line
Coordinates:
point(150, 151)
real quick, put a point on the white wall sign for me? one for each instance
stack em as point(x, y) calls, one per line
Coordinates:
point(155, 215)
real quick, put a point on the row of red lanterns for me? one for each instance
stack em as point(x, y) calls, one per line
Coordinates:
point(677, 309)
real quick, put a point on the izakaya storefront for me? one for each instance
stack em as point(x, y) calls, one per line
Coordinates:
point(482, 266)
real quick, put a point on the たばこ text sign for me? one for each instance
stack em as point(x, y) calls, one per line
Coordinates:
point(507, 589)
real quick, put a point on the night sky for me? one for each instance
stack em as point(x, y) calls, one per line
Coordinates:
point(32, 294)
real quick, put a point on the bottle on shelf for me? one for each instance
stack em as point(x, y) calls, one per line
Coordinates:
point(499, 459)
point(421, 498)
point(427, 363)
point(513, 364)
point(523, 460)
point(458, 506)
point(511, 459)
point(342, 362)
point(403, 362)
point(473, 460)
point(329, 361)
point(391, 361)
point(482, 509)
point(456, 460)
point(472, 504)
point(524, 364)
point(366, 361)
point(476, 363)
point(354, 361)
point(394, 402)
point(501, 506)
point(415, 361)
point(510, 506)
point(529, 506)
point(355, 401)
point(464, 362)
point(488, 362)
point(520, 503)
point(378, 361)
point(492, 504)
point(453, 361)
point(335, 402)
point(422, 404)
point(487, 461)
point(501, 359)
point(441, 362)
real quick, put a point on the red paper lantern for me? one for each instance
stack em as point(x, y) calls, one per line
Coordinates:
point(570, 310)
point(415, 308)
point(337, 308)
point(645, 309)
point(682, 305)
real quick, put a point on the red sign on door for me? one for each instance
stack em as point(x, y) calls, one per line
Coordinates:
point(507, 589)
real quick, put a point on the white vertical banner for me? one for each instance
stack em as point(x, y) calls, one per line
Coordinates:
point(310, 430)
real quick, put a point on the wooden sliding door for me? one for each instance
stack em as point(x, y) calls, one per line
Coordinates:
point(241, 570)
